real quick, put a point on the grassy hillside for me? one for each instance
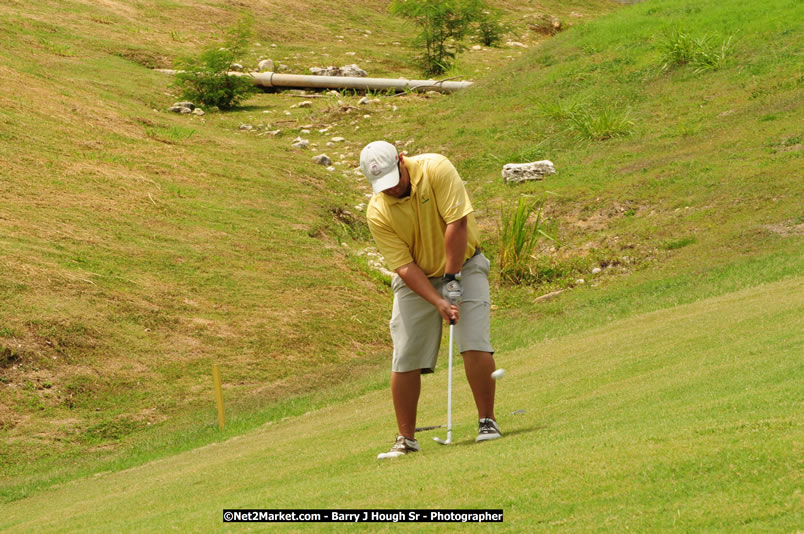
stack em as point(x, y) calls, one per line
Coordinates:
point(138, 246)
point(673, 421)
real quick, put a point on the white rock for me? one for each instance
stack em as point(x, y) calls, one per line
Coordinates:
point(266, 65)
point(306, 104)
point(596, 270)
point(322, 159)
point(521, 172)
point(338, 139)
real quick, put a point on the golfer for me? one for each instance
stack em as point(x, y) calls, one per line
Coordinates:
point(421, 219)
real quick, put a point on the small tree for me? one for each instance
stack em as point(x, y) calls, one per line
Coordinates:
point(491, 28)
point(205, 79)
point(444, 23)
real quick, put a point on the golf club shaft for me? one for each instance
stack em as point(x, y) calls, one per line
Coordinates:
point(449, 384)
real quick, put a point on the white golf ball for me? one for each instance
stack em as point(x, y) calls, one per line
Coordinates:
point(498, 374)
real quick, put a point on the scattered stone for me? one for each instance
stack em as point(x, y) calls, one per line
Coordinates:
point(521, 172)
point(345, 70)
point(306, 104)
point(366, 100)
point(300, 143)
point(246, 127)
point(375, 260)
point(331, 168)
point(580, 281)
point(597, 270)
point(322, 159)
point(338, 139)
point(236, 67)
point(182, 107)
point(198, 111)
point(516, 44)
point(274, 133)
point(266, 65)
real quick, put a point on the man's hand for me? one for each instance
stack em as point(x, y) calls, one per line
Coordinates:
point(452, 292)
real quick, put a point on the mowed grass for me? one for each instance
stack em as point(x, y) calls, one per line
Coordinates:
point(684, 419)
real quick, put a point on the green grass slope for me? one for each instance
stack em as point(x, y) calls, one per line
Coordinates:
point(685, 419)
point(702, 167)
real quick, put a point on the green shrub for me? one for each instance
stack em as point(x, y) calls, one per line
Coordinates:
point(491, 28)
point(443, 23)
point(205, 79)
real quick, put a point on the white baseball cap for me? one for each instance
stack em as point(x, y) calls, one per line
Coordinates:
point(379, 162)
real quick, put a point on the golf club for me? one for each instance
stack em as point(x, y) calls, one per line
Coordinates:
point(449, 391)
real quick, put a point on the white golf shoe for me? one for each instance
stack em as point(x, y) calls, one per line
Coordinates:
point(401, 447)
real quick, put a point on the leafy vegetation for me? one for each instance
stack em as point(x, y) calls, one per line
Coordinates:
point(680, 48)
point(491, 28)
point(205, 79)
point(443, 24)
point(518, 239)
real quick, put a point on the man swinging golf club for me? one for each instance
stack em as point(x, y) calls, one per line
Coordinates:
point(421, 219)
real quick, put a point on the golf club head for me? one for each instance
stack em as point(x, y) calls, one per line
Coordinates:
point(445, 441)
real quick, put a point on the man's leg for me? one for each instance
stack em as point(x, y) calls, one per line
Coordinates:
point(405, 389)
point(479, 366)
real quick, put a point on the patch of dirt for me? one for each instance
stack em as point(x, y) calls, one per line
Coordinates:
point(786, 229)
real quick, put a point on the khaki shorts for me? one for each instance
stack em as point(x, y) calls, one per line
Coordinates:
point(416, 324)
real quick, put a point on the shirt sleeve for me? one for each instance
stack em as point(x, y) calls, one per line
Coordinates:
point(451, 196)
point(393, 249)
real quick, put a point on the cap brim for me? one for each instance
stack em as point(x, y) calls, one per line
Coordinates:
point(386, 182)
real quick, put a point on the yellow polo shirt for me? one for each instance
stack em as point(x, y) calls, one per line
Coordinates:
point(412, 229)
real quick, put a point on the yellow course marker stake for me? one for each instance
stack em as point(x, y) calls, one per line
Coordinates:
point(216, 378)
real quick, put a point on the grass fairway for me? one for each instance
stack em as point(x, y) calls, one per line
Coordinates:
point(685, 419)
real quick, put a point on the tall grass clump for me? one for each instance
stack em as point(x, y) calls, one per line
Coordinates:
point(607, 122)
point(518, 238)
point(560, 108)
point(205, 79)
point(679, 48)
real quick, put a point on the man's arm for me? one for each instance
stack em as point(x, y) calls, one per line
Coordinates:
point(455, 238)
point(415, 279)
